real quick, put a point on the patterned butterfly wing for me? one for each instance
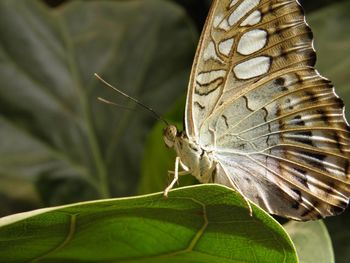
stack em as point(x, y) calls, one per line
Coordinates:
point(272, 123)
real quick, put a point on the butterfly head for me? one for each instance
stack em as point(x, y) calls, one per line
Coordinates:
point(169, 135)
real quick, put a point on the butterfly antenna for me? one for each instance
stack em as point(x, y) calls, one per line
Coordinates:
point(155, 114)
point(114, 104)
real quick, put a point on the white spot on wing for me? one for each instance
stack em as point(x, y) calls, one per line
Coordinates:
point(224, 25)
point(233, 3)
point(252, 19)
point(252, 68)
point(242, 10)
point(210, 52)
point(218, 19)
point(226, 46)
point(252, 41)
point(208, 77)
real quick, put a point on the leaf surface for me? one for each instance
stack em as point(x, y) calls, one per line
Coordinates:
point(205, 223)
point(312, 241)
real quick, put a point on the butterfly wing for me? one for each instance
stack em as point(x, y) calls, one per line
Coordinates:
point(273, 124)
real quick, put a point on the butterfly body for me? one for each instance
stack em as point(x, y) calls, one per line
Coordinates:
point(193, 158)
point(259, 118)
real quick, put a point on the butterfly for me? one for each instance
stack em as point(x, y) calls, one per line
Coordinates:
point(259, 118)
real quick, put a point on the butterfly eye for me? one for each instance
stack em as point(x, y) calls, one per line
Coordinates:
point(169, 135)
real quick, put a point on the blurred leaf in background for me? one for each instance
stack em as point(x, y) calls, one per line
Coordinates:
point(309, 237)
point(58, 144)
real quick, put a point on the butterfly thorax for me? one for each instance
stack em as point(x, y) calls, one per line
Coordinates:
point(193, 158)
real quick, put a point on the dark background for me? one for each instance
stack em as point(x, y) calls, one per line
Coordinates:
point(198, 11)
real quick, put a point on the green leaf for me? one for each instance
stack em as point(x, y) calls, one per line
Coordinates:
point(205, 223)
point(55, 136)
point(311, 240)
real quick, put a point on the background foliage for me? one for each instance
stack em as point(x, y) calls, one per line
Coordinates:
point(58, 145)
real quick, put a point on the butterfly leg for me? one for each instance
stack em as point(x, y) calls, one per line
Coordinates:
point(179, 173)
point(213, 132)
point(176, 175)
point(235, 186)
point(185, 169)
point(244, 197)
